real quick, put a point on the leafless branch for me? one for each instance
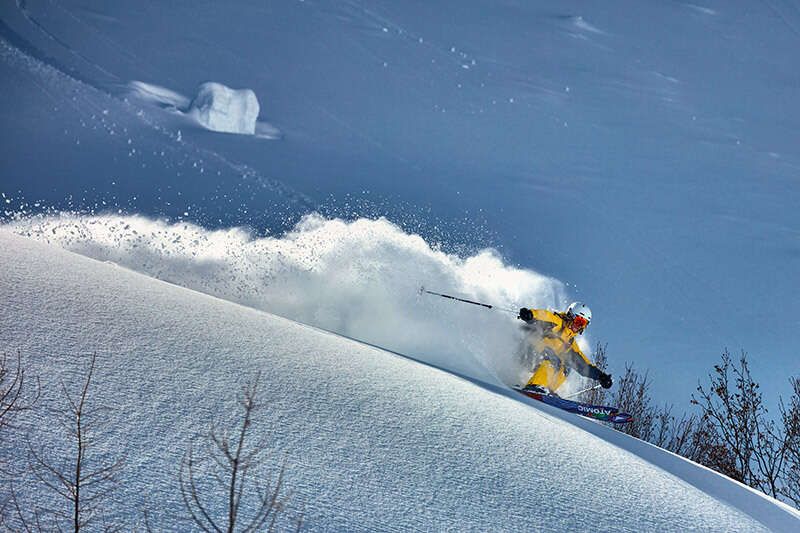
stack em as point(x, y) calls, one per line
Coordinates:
point(238, 466)
point(74, 477)
point(15, 396)
point(741, 440)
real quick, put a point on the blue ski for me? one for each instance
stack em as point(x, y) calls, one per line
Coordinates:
point(596, 412)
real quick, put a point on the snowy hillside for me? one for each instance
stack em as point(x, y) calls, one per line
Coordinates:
point(372, 440)
point(198, 191)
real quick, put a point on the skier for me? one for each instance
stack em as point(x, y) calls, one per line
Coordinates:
point(553, 339)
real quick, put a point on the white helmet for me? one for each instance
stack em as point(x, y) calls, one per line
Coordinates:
point(579, 309)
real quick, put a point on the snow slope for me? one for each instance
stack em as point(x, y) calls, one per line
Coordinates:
point(372, 440)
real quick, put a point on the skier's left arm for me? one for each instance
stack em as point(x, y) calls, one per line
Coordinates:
point(585, 368)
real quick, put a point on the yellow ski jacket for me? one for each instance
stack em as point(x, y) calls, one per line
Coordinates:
point(557, 339)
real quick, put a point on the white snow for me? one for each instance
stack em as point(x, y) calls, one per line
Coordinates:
point(334, 275)
point(220, 108)
point(372, 440)
point(375, 441)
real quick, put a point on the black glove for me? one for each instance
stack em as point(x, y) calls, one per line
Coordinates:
point(605, 380)
point(525, 314)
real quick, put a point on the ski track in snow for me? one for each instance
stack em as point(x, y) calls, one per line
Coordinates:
point(702, 9)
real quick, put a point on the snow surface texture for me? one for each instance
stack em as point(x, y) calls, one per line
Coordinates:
point(372, 441)
point(360, 279)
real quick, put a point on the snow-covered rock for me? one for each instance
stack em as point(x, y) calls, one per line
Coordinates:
point(220, 108)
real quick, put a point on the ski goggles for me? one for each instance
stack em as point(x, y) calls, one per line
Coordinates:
point(578, 323)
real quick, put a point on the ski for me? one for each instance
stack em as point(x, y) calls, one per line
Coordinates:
point(595, 412)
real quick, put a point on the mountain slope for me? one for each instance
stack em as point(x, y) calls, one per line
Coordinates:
point(372, 440)
point(666, 130)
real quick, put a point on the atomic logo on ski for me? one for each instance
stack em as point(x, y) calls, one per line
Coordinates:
point(595, 412)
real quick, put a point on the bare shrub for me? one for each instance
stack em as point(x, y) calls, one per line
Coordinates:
point(790, 416)
point(633, 397)
point(228, 468)
point(79, 478)
point(739, 438)
point(17, 394)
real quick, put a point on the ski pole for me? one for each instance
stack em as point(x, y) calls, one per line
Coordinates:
point(597, 386)
point(423, 290)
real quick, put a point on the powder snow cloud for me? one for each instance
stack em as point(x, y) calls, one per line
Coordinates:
point(357, 278)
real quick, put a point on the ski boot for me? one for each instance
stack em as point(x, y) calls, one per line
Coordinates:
point(537, 389)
